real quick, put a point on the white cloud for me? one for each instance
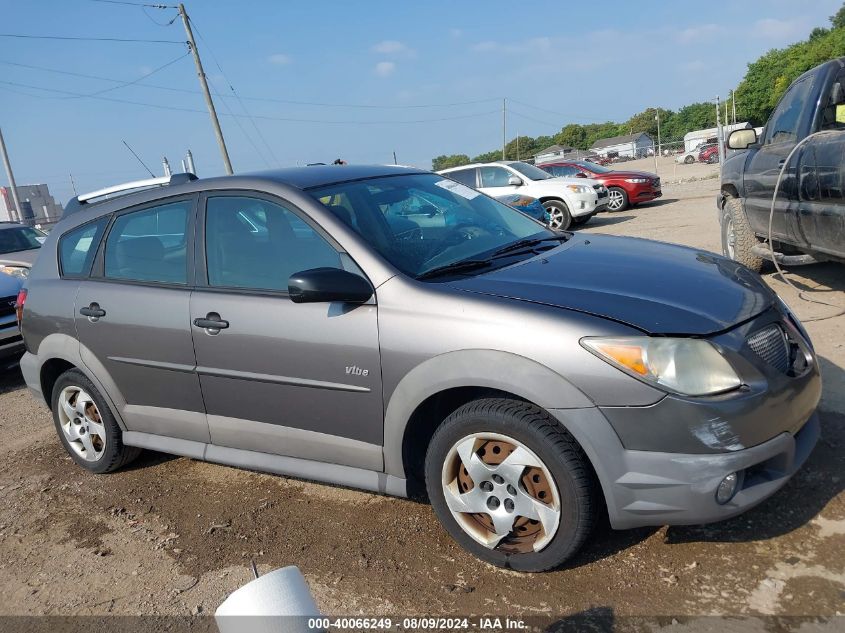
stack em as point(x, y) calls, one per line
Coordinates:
point(535, 45)
point(771, 28)
point(697, 33)
point(383, 69)
point(393, 48)
point(456, 33)
point(280, 59)
point(145, 70)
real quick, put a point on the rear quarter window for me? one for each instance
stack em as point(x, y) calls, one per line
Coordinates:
point(78, 247)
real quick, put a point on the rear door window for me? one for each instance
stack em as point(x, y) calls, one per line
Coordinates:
point(464, 176)
point(78, 247)
point(150, 245)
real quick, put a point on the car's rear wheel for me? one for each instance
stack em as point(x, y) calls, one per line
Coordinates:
point(559, 217)
point(510, 485)
point(737, 237)
point(617, 199)
point(689, 160)
point(86, 426)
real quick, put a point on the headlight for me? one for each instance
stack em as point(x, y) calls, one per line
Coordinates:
point(16, 271)
point(579, 188)
point(687, 366)
point(637, 181)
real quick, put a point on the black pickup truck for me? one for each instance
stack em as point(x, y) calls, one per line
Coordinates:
point(808, 223)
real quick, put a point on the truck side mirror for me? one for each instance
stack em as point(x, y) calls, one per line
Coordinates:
point(741, 139)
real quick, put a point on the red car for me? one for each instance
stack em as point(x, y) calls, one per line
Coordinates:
point(625, 188)
point(709, 153)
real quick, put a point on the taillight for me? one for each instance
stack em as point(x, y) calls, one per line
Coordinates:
point(19, 305)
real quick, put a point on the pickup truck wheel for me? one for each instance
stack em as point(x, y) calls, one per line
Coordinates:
point(617, 199)
point(689, 160)
point(737, 237)
point(86, 426)
point(510, 484)
point(559, 217)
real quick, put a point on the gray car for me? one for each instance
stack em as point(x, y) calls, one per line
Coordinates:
point(522, 379)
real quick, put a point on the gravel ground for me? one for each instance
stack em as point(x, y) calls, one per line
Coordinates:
point(172, 537)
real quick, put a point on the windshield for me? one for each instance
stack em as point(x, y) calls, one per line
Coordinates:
point(424, 221)
point(19, 238)
point(530, 172)
point(594, 167)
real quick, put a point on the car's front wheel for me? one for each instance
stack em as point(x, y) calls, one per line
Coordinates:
point(86, 426)
point(617, 199)
point(689, 160)
point(510, 485)
point(738, 239)
point(559, 217)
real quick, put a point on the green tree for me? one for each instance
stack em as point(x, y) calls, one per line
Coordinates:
point(837, 20)
point(445, 162)
point(572, 135)
point(488, 157)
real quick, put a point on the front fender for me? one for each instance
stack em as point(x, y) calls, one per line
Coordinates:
point(491, 369)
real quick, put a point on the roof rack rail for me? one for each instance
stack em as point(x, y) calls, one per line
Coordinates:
point(75, 204)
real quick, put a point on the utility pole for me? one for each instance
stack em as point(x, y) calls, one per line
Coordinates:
point(733, 104)
point(72, 184)
point(17, 212)
point(658, 128)
point(204, 85)
point(504, 124)
point(720, 136)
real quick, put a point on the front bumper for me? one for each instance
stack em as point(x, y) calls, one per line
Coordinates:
point(643, 488)
point(584, 204)
point(11, 341)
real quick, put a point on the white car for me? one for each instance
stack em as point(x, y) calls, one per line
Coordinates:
point(689, 157)
point(568, 200)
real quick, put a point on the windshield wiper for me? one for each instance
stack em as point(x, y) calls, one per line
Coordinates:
point(463, 265)
point(527, 243)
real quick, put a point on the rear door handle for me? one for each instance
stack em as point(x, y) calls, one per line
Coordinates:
point(93, 311)
point(212, 321)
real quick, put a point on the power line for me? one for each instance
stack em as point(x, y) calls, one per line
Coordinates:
point(89, 39)
point(135, 81)
point(563, 114)
point(248, 98)
point(531, 118)
point(137, 4)
point(243, 106)
point(257, 116)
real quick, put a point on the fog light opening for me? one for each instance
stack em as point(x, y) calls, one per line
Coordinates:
point(727, 488)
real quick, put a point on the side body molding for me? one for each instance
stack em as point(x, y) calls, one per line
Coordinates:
point(472, 368)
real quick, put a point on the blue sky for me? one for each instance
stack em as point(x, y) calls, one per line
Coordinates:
point(590, 62)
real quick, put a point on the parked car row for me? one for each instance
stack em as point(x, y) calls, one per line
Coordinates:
point(625, 188)
point(569, 201)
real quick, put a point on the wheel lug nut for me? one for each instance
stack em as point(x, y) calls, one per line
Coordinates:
point(486, 486)
point(493, 503)
point(509, 505)
point(511, 491)
point(498, 479)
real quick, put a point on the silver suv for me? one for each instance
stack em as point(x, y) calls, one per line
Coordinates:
point(304, 322)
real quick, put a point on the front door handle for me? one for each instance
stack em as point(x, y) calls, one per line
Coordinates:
point(212, 323)
point(781, 162)
point(93, 311)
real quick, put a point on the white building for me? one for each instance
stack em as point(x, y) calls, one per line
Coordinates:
point(698, 137)
point(630, 146)
point(36, 202)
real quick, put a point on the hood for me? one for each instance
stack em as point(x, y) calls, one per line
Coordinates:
point(20, 258)
point(655, 287)
point(626, 174)
point(563, 180)
point(10, 285)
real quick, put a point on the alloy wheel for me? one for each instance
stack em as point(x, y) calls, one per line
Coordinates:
point(615, 200)
point(730, 237)
point(555, 218)
point(500, 493)
point(81, 423)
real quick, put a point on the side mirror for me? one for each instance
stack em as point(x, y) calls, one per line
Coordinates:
point(320, 285)
point(516, 181)
point(741, 139)
point(580, 174)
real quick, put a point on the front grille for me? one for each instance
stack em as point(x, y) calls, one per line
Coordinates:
point(656, 183)
point(772, 346)
point(7, 305)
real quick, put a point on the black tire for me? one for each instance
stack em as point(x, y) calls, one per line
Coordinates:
point(561, 219)
point(559, 453)
point(689, 160)
point(613, 193)
point(737, 237)
point(115, 454)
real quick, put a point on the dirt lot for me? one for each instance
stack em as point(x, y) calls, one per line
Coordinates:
point(173, 536)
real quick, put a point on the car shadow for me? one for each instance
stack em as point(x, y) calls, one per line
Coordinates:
point(807, 494)
point(607, 219)
point(656, 203)
point(11, 380)
point(821, 277)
